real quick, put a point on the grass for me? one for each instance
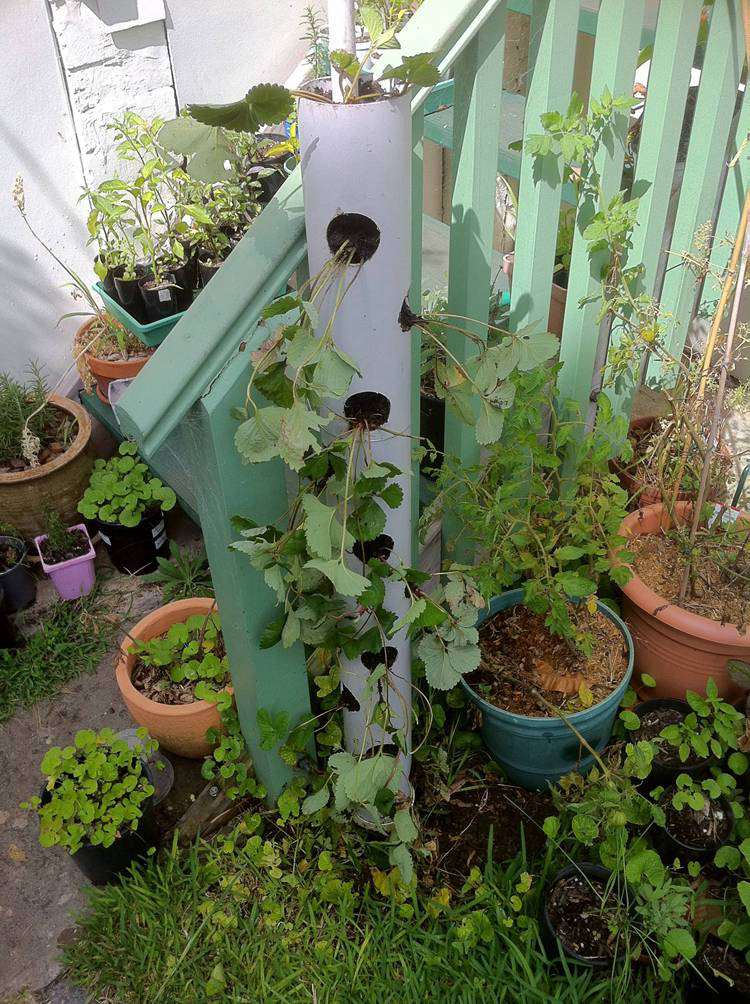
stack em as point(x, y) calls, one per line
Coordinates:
point(71, 640)
point(263, 923)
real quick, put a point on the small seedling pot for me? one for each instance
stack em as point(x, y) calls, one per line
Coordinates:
point(102, 865)
point(129, 296)
point(133, 550)
point(75, 577)
point(550, 939)
point(537, 752)
point(179, 728)
point(17, 582)
point(162, 300)
point(185, 277)
point(207, 272)
point(663, 772)
point(108, 282)
point(670, 846)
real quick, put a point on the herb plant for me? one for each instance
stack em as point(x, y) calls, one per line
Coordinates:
point(191, 650)
point(182, 575)
point(25, 415)
point(95, 790)
point(120, 490)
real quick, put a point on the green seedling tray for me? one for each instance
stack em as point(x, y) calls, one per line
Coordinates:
point(151, 334)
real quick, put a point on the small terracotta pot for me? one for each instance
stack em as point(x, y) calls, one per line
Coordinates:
point(104, 371)
point(179, 728)
point(680, 649)
point(645, 495)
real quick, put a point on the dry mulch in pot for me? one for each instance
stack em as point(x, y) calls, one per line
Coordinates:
point(524, 665)
point(660, 564)
point(581, 909)
point(707, 827)
point(77, 546)
point(59, 431)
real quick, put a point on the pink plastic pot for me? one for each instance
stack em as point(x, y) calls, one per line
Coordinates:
point(73, 578)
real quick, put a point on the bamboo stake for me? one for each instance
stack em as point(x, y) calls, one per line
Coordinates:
point(718, 406)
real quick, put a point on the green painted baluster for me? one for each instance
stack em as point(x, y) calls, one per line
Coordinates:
point(615, 56)
point(539, 196)
point(479, 78)
point(669, 77)
point(722, 66)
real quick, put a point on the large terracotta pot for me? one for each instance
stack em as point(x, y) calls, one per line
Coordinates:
point(645, 495)
point(58, 484)
point(104, 371)
point(179, 728)
point(558, 299)
point(680, 649)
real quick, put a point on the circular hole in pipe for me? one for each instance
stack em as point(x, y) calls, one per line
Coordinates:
point(353, 232)
point(387, 655)
point(380, 547)
point(367, 409)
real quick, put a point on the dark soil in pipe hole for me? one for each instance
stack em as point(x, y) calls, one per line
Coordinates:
point(380, 548)
point(356, 232)
point(387, 656)
point(367, 409)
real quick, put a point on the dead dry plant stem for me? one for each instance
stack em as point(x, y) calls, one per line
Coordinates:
point(717, 407)
point(729, 284)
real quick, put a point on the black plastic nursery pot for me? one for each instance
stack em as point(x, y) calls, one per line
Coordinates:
point(553, 944)
point(714, 967)
point(17, 583)
point(8, 635)
point(665, 770)
point(185, 277)
point(108, 282)
point(671, 846)
point(133, 550)
point(160, 300)
point(102, 865)
point(129, 296)
point(207, 271)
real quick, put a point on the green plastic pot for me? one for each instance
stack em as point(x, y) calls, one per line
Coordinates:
point(537, 752)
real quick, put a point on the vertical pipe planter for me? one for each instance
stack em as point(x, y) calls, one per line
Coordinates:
point(356, 178)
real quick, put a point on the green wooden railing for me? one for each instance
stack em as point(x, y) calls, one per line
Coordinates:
point(179, 407)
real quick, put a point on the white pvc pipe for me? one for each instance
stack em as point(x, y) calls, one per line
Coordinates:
point(340, 35)
point(356, 158)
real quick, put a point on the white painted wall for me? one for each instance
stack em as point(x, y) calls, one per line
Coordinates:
point(37, 140)
point(221, 48)
point(65, 71)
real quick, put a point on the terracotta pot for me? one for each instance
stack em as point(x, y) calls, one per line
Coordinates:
point(58, 484)
point(104, 371)
point(680, 649)
point(635, 486)
point(558, 299)
point(179, 728)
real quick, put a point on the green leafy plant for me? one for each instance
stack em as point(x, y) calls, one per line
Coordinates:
point(229, 763)
point(550, 528)
point(120, 490)
point(94, 790)
point(182, 575)
point(191, 651)
point(316, 36)
point(710, 731)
